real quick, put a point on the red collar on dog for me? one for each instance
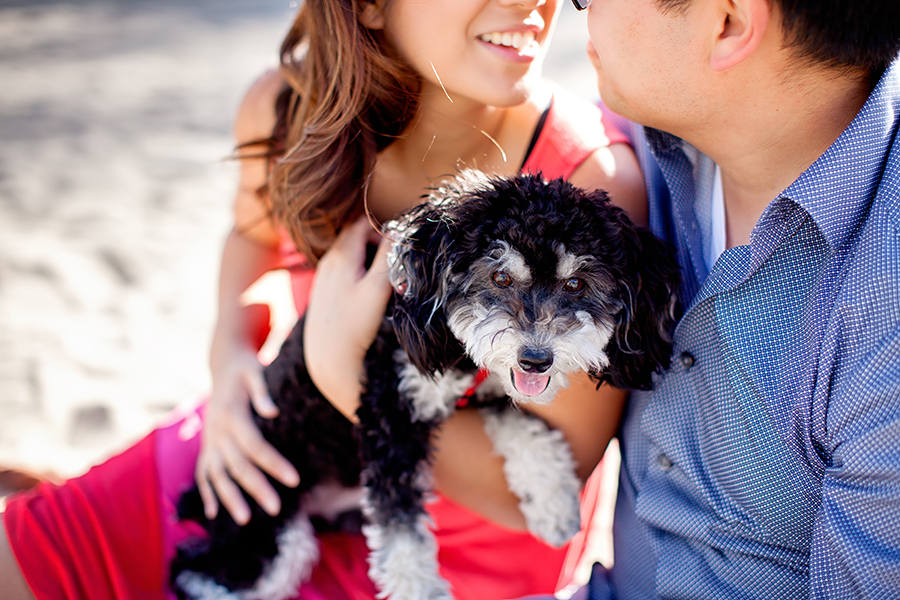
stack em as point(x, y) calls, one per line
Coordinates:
point(480, 376)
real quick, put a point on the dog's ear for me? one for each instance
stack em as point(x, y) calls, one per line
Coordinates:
point(642, 341)
point(420, 270)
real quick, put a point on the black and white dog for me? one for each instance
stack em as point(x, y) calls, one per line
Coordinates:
point(524, 279)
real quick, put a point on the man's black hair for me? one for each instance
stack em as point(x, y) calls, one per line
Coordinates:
point(836, 33)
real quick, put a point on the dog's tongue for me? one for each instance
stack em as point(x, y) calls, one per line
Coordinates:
point(530, 384)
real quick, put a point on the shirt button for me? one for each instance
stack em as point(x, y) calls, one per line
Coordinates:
point(687, 360)
point(664, 462)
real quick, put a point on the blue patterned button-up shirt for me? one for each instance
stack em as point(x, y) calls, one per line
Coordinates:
point(766, 463)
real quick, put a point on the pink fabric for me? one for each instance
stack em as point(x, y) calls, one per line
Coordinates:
point(96, 536)
point(573, 130)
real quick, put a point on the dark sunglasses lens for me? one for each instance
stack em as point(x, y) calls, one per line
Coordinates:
point(581, 4)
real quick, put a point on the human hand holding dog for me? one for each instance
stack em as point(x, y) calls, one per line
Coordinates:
point(346, 307)
point(233, 452)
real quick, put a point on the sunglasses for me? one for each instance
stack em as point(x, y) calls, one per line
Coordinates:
point(581, 4)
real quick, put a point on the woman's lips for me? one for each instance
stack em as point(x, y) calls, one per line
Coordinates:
point(515, 45)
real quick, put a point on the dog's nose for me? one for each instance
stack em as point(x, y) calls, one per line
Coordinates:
point(535, 360)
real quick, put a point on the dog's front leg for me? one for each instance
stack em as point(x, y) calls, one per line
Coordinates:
point(403, 550)
point(403, 561)
point(540, 470)
point(396, 448)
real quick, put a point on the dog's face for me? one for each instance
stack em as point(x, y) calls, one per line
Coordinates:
point(532, 280)
point(532, 313)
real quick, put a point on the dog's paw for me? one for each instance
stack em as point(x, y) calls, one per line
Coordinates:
point(540, 470)
point(403, 562)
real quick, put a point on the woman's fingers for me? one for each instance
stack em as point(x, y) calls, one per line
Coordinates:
point(249, 477)
point(259, 395)
point(345, 263)
point(252, 444)
point(377, 276)
point(228, 493)
point(350, 244)
point(236, 456)
point(207, 494)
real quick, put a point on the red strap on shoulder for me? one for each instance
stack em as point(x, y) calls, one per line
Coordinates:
point(574, 129)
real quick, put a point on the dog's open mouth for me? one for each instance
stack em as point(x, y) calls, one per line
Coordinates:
point(529, 384)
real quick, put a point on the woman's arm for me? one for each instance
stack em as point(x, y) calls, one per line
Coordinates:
point(469, 472)
point(233, 453)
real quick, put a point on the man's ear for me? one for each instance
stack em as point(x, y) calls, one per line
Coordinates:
point(372, 15)
point(741, 27)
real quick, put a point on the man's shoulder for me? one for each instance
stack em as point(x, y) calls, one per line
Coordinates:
point(879, 239)
point(869, 301)
point(887, 199)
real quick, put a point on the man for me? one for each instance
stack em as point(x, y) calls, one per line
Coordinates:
point(766, 462)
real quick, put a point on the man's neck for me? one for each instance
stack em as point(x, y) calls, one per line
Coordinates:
point(762, 148)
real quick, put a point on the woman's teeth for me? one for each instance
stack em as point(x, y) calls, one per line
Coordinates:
point(517, 40)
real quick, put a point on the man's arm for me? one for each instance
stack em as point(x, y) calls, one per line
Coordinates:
point(855, 549)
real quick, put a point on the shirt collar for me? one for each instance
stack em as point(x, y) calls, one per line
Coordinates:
point(838, 188)
point(661, 142)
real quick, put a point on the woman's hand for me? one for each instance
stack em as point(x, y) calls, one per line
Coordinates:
point(234, 453)
point(345, 310)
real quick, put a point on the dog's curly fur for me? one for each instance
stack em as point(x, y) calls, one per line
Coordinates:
point(526, 278)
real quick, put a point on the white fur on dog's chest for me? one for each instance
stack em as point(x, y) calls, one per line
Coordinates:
point(537, 461)
point(432, 398)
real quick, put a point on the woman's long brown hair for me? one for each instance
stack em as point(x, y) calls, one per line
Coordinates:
point(350, 96)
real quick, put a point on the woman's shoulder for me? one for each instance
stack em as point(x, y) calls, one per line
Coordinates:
point(578, 116)
point(577, 142)
point(569, 131)
point(256, 116)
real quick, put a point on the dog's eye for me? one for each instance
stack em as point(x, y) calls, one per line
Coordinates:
point(574, 285)
point(502, 279)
